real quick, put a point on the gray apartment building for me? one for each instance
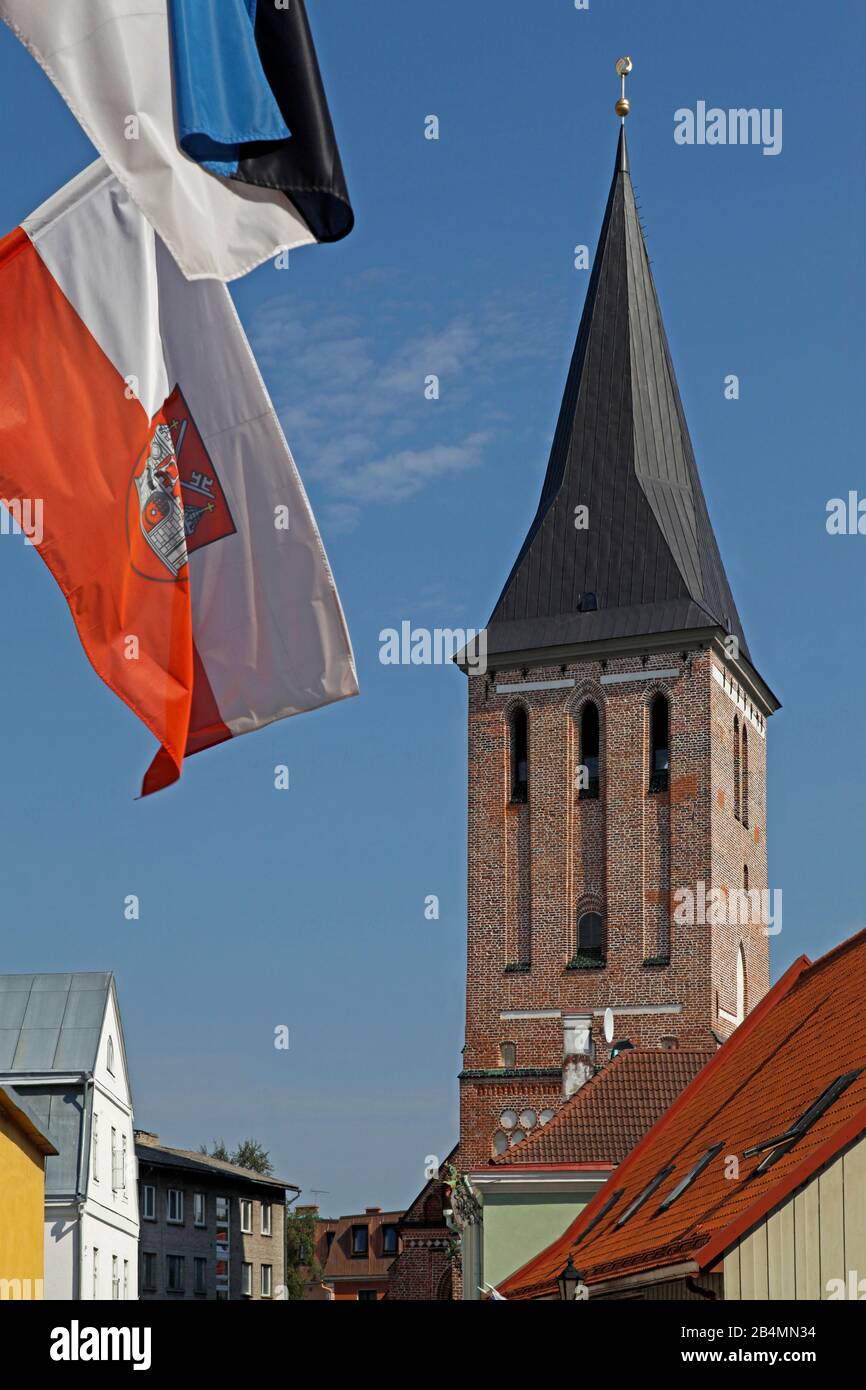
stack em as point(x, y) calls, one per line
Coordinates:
point(210, 1230)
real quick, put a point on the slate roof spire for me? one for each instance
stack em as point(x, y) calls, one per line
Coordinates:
point(648, 563)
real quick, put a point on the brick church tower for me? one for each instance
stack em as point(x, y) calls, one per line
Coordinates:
point(616, 742)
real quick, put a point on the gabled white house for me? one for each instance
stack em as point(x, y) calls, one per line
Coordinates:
point(61, 1046)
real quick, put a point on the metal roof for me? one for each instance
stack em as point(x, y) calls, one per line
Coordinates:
point(51, 1023)
point(63, 1112)
point(22, 1113)
point(622, 449)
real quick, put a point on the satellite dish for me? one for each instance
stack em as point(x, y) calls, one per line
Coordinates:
point(608, 1025)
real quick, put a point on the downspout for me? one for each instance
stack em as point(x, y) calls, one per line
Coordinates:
point(80, 1191)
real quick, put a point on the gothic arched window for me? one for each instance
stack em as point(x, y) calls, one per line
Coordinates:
point(590, 936)
point(519, 755)
point(589, 749)
point(744, 779)
point(660, 756)
point(736, 767)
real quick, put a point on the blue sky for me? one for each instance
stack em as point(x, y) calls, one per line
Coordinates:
point(306, 908)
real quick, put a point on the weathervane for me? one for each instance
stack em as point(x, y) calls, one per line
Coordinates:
point(623, 106)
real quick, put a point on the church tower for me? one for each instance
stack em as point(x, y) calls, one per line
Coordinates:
point(617, 742)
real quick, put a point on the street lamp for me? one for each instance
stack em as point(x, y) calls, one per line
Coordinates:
point(568, 1281)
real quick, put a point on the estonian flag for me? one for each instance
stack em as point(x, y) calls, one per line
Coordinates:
point(212, 117)
point(173, 517)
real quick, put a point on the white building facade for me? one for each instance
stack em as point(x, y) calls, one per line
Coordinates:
point(61, 1044)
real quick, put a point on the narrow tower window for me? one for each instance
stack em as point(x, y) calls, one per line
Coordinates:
point(589, 750)
point(519, 755)
point(741, 984)
point(590, 937)
point(745, 778)
point(659, 744)
point(736, 767)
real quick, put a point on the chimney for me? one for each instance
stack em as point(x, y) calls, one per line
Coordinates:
point(577, 1064)
point(145, 1136)
point(371, 1211)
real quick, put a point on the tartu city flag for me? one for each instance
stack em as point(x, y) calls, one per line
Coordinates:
point(166, 93)
point(173, 518)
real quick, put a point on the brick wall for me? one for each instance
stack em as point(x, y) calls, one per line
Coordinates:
point(624, 855)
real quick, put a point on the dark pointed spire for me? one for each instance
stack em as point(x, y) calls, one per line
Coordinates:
point(648, 562)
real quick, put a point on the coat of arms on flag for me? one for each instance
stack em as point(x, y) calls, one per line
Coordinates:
point(166, 528)
point(177, 503)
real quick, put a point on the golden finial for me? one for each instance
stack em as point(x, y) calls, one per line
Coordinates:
point(623, 67)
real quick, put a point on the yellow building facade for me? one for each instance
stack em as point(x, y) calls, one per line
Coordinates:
point(23, 1151)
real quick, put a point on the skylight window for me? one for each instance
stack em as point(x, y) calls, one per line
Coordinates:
point(782, 1143)
point(600, 1214)
point(645, 1195)
point(703, 1162)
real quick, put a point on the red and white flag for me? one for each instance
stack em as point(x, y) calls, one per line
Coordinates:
point(133, 413)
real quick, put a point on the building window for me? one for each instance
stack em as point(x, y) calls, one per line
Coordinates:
point(265, 1222)
point(115, 1161)
point(95, 1272)
point(148, 1203)
point(660, 756)
point(222, 1208)
point(589, 751)
point(115, 1279)
point(669, 1044)
point(118, 1162)
point(199, 1274)
point(174, 1271)
point(390, 1240)
point(736, 768)
point(198, 1209)
point(745, 777)
point(148, 1271)
point(246, 1216)
point(360, 1241)
point(267, 1280)
point(519, 755)
point(329, 1240)
point(368, 1296)
point(247, 1280)
point(590, 939)
point(508, 1054)
point(109, 1059)
point(741, 984)
point(174, 1206)
point(95, 1149)
point(126, 1281)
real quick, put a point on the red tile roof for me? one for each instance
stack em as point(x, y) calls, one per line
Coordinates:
point(604, 1120)
point(809, 1030)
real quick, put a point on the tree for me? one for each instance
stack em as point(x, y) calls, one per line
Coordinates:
point(302, 1266)
point(217, 1150)
point(250, 1154)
